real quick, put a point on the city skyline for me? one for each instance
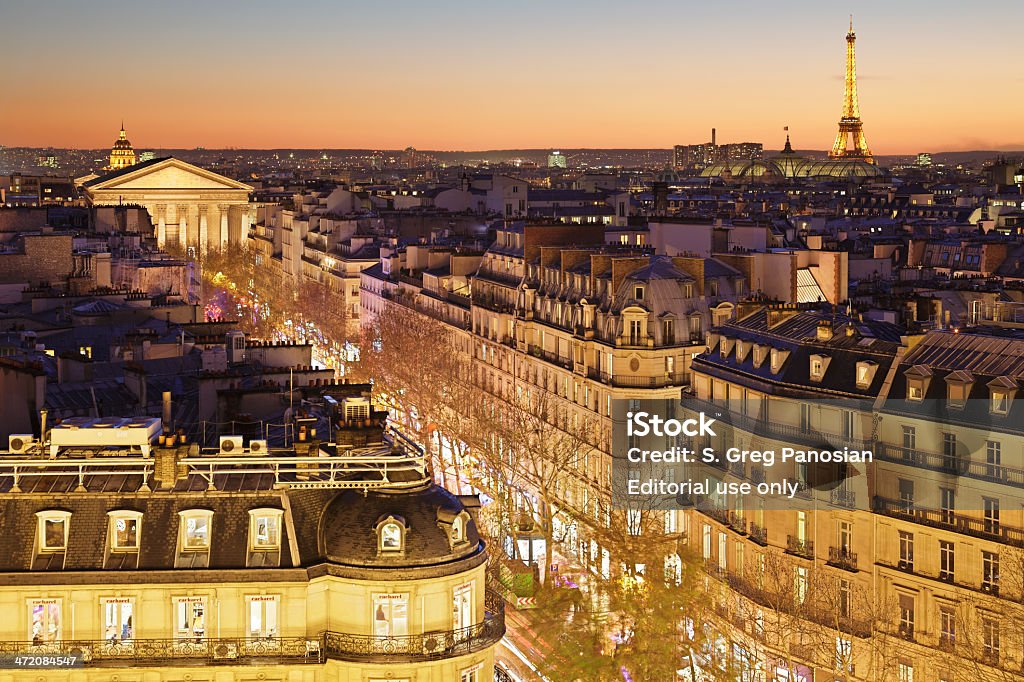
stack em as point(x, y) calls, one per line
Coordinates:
point(574, 80)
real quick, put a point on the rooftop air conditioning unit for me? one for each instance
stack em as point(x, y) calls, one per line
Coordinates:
point(258, 447)
point(231, 445)
point(20, 442)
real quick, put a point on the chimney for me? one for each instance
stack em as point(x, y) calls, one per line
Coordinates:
point(42, 424)
point(167, 409)
point(824, 330)
point(713, 137)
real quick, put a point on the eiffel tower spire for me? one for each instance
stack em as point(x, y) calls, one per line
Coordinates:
point(850, 142)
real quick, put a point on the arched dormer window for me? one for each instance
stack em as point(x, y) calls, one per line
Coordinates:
point(391, 534)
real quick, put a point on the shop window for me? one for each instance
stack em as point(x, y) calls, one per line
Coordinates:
point(390, 615)
point(262, 613)
point(190, 619)
point(118, 615)
point(45, 621)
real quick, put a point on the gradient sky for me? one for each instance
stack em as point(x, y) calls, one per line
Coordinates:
point(485, 74)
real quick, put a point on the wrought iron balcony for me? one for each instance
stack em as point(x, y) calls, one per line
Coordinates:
point(842, 557)
point(158, 652)
point(798, 547)
point(275, 650)
point(759, 534)
point(424, 647)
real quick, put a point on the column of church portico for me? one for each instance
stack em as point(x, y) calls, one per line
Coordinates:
point(246, 223)
point(193, 223)
point(203, 227)
point(160, 216)
point(224, 216)
point(183, 225)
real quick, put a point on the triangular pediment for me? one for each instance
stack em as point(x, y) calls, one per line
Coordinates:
point(166, 174)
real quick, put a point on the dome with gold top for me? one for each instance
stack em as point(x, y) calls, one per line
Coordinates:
point(122, 154)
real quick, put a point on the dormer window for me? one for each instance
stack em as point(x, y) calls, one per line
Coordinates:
point(638, 292)
point(865, 373)
point(53, 530)
point(819, 364)
point(391, 534)
point(124, 530)
point(758, 355)
point(918, 378)
point(195, 530)
point(1002, 391)
point(958, 388)
point(778, 359)
point(265, 528)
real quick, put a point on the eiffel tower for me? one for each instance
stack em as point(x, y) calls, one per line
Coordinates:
point(851, 129)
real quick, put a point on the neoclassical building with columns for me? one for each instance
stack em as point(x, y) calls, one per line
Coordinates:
point(188, 205)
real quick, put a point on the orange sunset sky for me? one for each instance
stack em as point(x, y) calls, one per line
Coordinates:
point(934, 75)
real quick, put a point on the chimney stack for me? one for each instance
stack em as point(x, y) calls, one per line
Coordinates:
point(713, 137)
point(167, 409)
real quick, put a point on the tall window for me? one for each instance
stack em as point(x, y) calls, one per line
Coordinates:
point(190, 618)
point(905, 672)
point(906, 615)
point(471, 674)
point(845, 598)
point(118, 614)
point(45, 621)
point(949, 447)
point(947, 627)
point(991, 515)
point(909, 441)
point(906, 550)
point(906, 488)
point(947, 560)
point(990, 571)
point(635, 332)
point(262, 611)
point(947, 505)
point(390, 615)
point(844, 536)
point(990, 639)
point(800, 584)
point(993, 459)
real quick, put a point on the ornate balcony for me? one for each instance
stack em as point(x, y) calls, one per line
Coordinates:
point(800, 548)
point(424, 647)
point(841, 557)
point(159, 652)
point(275, 650)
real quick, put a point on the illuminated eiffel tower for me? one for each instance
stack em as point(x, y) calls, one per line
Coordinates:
point(850, 142)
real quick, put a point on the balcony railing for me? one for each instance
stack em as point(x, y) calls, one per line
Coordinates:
point(804, 434)
point(798, 547)
point(156, 652)
point(423, 647)
point(275, 650)
point(950, 520)
point(842, 557)
point(950, 464)
point(759, 534)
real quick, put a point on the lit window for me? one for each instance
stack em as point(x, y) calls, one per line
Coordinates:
point(124, 530)
point(265, 528)
point(1000, 402)
point(458, 529)
point(118, 614)
point(262, 613)
point(53, 530)
point(391, 532)
point(390, 615)
point(44, 618)
point(915, 391)
point(190, 618)
point(195, 529)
